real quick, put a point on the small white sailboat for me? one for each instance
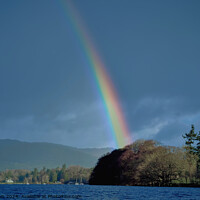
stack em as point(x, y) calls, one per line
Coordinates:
point(81, 183)
point(76, 182)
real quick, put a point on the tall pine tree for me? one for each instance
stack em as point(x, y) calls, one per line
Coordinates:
point(198, 154)
point(190, 138)
point(193, 146)
point(198, 145)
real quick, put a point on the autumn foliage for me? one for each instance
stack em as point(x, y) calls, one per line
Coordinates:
point(145, 163)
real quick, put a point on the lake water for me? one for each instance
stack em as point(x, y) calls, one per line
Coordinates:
point(86, 192)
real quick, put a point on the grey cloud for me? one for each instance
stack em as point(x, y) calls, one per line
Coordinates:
point(82, 128)
point(164, 119)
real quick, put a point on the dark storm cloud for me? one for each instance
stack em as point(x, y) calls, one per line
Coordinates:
point(165, 120)
point(47, 91)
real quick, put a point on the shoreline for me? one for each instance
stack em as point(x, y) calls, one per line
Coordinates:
point(177, 185)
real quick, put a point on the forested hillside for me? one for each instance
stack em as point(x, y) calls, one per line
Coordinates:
point(24, 155)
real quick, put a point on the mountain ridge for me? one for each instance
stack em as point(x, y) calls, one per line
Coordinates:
point(15, 154)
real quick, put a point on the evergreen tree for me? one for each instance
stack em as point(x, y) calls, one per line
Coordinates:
point(198, 145)
point(35, 175)
point(198, 154)
point(190, 140)
point(193, 147)
point(53, 176)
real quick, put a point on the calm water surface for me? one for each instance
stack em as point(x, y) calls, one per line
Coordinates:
point(86, 192)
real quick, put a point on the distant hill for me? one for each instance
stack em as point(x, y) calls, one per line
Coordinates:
point(15, 154)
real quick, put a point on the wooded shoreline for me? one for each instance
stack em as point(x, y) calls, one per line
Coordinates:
point(142, 163)
point(149, 163)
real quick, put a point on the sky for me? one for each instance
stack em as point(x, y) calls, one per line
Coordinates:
point(151, 50)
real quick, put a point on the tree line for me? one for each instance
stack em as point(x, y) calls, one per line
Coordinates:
point(58, 175)
point(148, 163)
point(144, 162)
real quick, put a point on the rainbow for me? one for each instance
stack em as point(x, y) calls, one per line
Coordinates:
point(118, 125)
